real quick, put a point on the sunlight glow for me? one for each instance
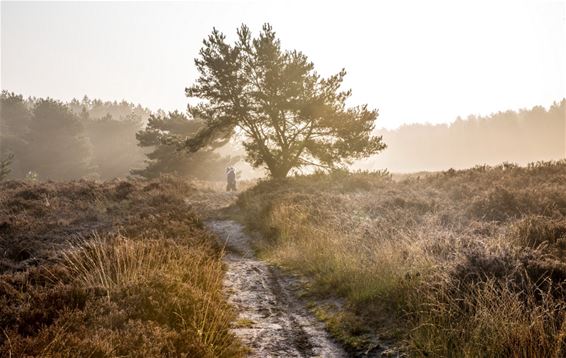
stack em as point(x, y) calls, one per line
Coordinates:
point(416, 61)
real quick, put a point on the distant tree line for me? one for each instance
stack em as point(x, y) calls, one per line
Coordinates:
point(100, 139)
point(521, 137)
point(58, 141)
point(90, 138)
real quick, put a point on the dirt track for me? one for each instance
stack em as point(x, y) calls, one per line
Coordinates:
point(272, 321)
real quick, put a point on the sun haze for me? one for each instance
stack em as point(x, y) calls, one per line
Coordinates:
point(415, 61)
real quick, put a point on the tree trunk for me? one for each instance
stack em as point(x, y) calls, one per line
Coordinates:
point(279, 172)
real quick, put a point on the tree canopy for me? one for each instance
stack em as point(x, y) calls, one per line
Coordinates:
point(166, 158)
point(288, 115)
point(53, 122)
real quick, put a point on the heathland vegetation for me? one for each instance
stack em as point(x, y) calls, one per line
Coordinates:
point(456, 263)
point(123, 268)
point(466, 263)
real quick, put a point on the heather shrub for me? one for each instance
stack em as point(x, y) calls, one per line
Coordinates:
point(535, 231)
point(463, 263)
point(121, 268)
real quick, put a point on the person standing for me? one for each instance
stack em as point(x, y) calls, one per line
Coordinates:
point(231, 178)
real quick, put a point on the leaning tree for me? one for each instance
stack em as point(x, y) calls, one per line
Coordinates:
point(288, 115)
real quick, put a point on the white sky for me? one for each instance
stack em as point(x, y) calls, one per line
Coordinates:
point(417, 61)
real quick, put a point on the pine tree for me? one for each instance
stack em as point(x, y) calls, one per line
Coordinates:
point(58, 148)
point(15, 117)
point(5, 166)
point(290, 117)
point(166, 158)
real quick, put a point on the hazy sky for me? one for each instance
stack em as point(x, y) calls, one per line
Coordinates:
point(416, 61)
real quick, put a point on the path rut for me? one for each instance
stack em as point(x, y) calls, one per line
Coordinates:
point(273, 322)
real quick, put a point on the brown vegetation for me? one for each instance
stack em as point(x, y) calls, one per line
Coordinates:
point(113, 269)
point(460, 263)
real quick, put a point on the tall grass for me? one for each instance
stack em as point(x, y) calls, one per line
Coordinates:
point(488, 319)
point(112, 262)
point(358, 268)
point(116, 263)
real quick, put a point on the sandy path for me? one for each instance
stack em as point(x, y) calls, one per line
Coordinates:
point(272, 321)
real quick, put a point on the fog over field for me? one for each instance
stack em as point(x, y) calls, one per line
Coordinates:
point(451, 93)
point(107, 147)
point(519, 137)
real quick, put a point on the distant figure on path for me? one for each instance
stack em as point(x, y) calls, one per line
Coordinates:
point(231, 177)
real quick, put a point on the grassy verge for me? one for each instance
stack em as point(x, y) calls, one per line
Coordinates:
point(112, 269)
point(458, 264)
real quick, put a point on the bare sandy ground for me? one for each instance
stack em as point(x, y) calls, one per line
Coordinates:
point(272, 321)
